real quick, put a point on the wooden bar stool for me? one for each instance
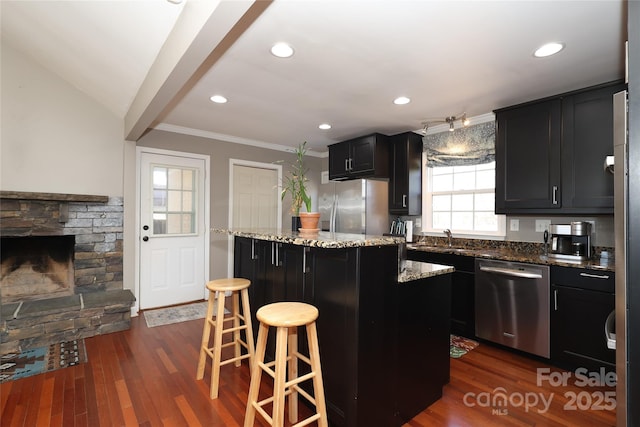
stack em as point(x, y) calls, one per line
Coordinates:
point(241, 321)
point(286, 317)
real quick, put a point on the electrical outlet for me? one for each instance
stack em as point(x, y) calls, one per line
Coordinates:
point(514, 225)
point(418, 222)
point(542, 225)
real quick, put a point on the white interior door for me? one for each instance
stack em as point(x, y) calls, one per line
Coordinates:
point(173, 229)
point(255, 197)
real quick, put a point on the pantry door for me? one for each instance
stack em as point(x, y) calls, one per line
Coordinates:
point(173, 228)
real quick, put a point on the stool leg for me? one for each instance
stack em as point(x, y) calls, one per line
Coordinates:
point(279, 381)
point(246, 313)
point(318, 387)
point(206, 331)
point(236, 324)
point(293, 373)
point(256, 374)
point(217, 347)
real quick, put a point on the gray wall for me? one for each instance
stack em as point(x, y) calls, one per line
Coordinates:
point(220, 152)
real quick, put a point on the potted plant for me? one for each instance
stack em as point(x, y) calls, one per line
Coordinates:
point(295, 184)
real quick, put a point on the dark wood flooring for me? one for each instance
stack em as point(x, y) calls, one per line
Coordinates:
point(146, 377)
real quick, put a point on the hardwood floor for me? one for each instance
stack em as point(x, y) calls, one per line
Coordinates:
point(146, 377)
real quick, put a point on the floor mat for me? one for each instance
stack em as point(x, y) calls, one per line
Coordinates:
point(38, 360)
point(177, 314)
point(459, 346)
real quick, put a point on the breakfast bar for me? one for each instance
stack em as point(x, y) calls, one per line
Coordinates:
point(383, 325)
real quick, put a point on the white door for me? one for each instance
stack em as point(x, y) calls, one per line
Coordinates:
point(173, 229)
point(255, 197)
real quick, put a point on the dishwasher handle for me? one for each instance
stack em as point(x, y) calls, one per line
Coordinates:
point(511, 272)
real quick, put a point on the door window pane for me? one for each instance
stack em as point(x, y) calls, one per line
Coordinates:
point(174, 195)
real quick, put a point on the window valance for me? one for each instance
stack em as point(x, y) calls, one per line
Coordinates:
point(473, 145)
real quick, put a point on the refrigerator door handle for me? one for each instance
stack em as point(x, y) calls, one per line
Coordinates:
point(332, 217)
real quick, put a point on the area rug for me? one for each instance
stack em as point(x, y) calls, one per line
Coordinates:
point(14, 366)
point(177, 314)
point(459, 346)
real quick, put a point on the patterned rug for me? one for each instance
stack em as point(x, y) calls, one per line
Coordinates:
point(14, 366)
point(459, 346)
point(177, 314)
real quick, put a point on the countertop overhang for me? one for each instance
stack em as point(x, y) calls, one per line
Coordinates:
point(320, 239)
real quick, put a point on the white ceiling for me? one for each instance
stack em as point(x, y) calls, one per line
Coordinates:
point(352, 58)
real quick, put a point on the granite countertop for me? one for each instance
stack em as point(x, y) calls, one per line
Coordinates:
point(319, 239)
point(416, 270)
point(522, 254)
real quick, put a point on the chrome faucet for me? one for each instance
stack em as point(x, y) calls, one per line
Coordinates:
point(448, 233)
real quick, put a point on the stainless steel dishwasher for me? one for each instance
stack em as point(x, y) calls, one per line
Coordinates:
point(512, 305)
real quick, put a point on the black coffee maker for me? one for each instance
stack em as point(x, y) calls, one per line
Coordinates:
point(570, 242)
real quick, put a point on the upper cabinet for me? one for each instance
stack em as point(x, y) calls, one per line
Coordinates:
point(405, 168)
point(550, 154)
point(363, 157)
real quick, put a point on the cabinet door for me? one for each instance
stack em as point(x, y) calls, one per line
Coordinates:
point(363, 155)
point(587, 138)
point(528, 158)
point(338, 160)
point(405, 184)
point(578, 320)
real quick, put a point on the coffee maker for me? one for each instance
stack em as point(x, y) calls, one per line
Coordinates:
point(570, 242)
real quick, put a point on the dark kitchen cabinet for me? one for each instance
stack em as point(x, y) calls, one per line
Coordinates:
point(405, 182)
point(363, 157)
point(582, 302)
point(462, 288)
point(550, 154)
point(587, 138)
point(528, 141)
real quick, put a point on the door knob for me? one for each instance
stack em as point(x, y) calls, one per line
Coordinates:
point(145, 238)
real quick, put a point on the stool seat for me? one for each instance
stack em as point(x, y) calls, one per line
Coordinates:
point(287, 314)
point(240, 321)
point(228, 285)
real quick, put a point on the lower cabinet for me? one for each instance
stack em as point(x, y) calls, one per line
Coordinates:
point(384, 346)
point(462, 288)
point(581, 304)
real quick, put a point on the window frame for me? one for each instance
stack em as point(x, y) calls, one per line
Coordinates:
point(427, 211)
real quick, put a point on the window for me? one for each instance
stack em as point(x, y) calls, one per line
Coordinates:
point(462, 199)
point(174, 196)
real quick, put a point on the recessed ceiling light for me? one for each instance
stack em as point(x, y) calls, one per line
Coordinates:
point(325, 126)
point(548, 49)
point(401, 100)
point(218, 99)
point(282, 50)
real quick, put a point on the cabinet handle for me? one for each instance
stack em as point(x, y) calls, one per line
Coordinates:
point(304, 260)
point(350, 164)
point(555, 195)
point(594, 276)
point(277, 263)
point(555, 300)
point(346, 164)
point(253, 249)
point(404, 200)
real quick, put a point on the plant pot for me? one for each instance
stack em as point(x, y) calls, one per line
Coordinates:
point(295, 223)
point(309, 220)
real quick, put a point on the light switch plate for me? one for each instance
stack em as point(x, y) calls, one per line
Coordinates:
point(514, 225)
point(418, 222)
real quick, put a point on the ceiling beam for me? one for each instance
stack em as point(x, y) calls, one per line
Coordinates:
point(203, 32)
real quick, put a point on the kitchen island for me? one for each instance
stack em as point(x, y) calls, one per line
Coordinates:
point(383, 332)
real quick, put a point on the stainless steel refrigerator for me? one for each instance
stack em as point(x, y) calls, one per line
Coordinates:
point(621, 218)
point(358, 206)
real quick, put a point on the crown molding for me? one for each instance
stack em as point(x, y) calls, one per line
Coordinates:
point(234, 139)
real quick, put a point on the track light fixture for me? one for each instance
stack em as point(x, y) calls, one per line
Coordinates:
point(449, 120)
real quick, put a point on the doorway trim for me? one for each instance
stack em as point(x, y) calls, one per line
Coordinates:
point(252, 164)
point(207, 212)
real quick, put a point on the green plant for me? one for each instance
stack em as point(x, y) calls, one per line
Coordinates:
point(295, 182)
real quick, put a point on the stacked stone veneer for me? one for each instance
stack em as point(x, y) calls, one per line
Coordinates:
point(99, 304)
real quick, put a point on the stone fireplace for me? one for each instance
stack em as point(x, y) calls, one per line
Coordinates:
point(61, 269)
